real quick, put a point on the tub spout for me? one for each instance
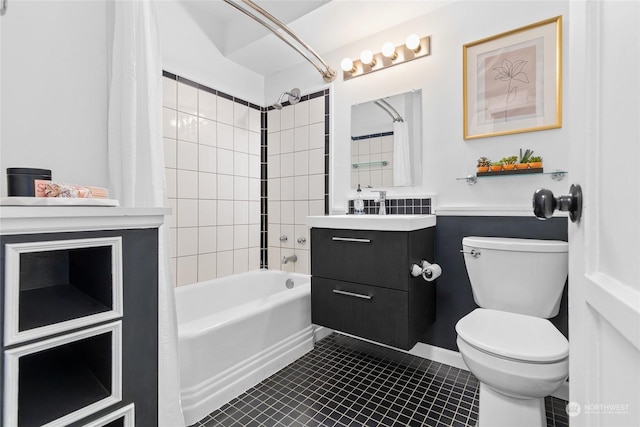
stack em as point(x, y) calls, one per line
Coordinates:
point(290, 258)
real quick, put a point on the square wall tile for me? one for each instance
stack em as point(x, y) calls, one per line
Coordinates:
point(171, 182)
point(241, 140)
point(316, 161)
point(286, 188)
point(254, 143)
point(254, 258)
point(301, 114)
point(254, 120)
point(207, 105)
point(207, 158)
point(316, 187)
point(224, 263)
point(301, 163)
point(187, 155)
point(254, 236)
point(240, 261)
point(225, 212)
point(316, 110)
point(301, 211)
point(207, 212)
point(187, 99)
point(273, 167)
point(301, 187)
point(225, 111)
point(241, 116)
point(170, 220)
point(225, 161)
point(240, 164)
point(187, 184)
point(273, 120)
point(187, 127)
point(187, 213)
point(273, 189)
point(225, 238)
point(287, 212)
point(286, 165)
point(207, 266)
point(254, 190)
point(207, 239)
point(274, 213)
point(287, 117)
point(186, 270)
point(254, 212)
point(254, 166)
point(170, 152)
point(287, 142)
point(208, 132)
point(240, 236)
point(240, 212)
point(287, 230)
point(316, 136)
point(273, 143)
point(224, 136)
point(169, 93)
point(169, 123)
point(274, 257)
point(225, 187)
point(187, 241)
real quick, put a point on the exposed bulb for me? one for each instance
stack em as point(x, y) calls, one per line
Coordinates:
point(389, 50)
point(347, 65)
point(367, 58)
point(413, 42)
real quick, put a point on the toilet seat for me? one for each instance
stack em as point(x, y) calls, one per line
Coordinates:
point(513, 336)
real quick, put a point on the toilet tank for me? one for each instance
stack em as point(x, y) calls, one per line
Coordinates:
point(525, 276)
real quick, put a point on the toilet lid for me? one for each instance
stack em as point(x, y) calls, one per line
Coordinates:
point(514, 336)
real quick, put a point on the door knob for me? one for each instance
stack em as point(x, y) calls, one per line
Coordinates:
point(544, 203)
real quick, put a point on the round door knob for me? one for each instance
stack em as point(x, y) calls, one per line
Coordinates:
point(544, 203)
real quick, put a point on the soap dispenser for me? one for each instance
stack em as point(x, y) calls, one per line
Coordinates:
point(358, 203)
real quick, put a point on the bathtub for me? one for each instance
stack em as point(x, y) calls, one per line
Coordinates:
point(235, 331)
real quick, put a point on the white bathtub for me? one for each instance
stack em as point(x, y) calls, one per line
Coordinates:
point(235, 331)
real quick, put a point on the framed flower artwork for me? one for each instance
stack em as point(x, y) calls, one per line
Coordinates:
point(512, 82)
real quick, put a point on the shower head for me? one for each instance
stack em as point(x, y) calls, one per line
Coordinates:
point(294, 98)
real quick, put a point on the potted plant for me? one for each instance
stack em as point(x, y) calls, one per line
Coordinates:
point(483, 164)
point(496, 166)
point(524, 159)
point(535, 162)
point(509, 163)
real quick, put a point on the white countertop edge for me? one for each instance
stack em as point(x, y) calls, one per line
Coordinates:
point(373, 222)
point(51, 219)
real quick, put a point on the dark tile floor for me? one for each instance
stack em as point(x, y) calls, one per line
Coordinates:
point(348, 382)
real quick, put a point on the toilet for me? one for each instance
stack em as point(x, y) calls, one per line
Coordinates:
point(518, 356)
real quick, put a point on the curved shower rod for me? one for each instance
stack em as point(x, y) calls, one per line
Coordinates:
point(328, 74)
point(395, 116)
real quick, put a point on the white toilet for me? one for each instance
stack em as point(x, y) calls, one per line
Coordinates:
point(518, 356)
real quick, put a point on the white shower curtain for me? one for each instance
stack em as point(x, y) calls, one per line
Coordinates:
point(136, 164)
point(401, 155)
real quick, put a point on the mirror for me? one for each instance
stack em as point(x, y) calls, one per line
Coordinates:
point(386, 141)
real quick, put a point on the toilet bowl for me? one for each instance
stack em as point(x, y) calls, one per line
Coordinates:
point(518, 356)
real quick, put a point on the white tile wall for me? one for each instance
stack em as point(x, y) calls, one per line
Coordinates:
point(212, 160)
point(296, 180)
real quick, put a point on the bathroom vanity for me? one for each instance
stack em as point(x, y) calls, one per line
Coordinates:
point(78, 316)
point(360, 276)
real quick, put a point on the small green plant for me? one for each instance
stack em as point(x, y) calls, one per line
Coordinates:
point(484, 161)
point(511, 160)
point(525, 158)
point(535, 159)
point(499, 163)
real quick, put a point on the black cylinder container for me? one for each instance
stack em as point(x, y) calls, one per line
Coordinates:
point(20, 181)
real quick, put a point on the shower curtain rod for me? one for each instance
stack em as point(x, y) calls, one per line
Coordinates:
point(395, 116)
point(328, 74)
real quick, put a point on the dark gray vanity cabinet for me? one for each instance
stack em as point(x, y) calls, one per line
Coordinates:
point(361, 283)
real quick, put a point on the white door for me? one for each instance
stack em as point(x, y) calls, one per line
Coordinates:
point(603, 81)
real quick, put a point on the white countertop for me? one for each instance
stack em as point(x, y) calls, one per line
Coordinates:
point(373, 222)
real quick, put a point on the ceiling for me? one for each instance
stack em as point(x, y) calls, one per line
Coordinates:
point(325, 25)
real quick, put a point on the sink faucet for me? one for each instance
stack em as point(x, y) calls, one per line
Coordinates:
point(290, 258)
point(382, 199)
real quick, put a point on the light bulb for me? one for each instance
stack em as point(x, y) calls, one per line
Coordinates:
point(347, 65)
point(389, 50)
point(413, 42)
point(367, 58)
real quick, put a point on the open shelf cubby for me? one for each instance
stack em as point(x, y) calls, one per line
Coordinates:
point(60, 380)
point(55, 286)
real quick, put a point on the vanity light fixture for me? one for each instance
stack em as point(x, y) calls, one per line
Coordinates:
point(389, 51)
point(390, 55)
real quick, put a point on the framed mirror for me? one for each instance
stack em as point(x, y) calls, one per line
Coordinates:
point(386, 141)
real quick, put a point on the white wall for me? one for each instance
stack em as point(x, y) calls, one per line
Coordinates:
point(188, 52)
point(446, 155)
point(53, 80)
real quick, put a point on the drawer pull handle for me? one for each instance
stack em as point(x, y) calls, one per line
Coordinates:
point(351, 294)
point(350, 239)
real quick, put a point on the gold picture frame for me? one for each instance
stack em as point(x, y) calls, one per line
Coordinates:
point(512, 82)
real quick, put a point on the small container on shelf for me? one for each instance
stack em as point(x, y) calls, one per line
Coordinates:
point(21, 181)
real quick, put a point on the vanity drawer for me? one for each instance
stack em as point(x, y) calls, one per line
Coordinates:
point(377, 258)
point(370, 312)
